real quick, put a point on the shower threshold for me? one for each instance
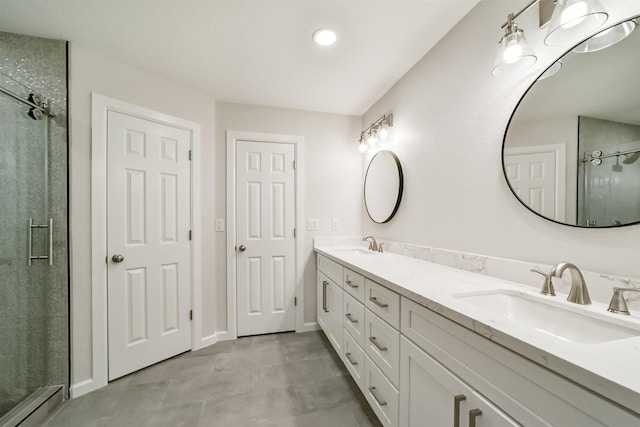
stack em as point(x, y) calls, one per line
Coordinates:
point(34, 409)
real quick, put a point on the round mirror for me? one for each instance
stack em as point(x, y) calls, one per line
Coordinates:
point(383, 186)
point(571, 151)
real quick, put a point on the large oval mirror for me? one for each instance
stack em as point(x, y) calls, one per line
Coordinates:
point(571, 151)
point(383, 186)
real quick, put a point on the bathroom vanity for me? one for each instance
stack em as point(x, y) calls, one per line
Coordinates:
point(433, 345)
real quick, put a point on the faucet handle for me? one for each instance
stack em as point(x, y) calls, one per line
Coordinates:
point(380, 247)
point(547, 286)
point(618, 304)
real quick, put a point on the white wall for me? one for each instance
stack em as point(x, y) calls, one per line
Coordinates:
point(450, 115)
point(332, 181)
point(92, 72)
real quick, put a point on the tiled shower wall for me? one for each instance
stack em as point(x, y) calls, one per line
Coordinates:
point(34, 300)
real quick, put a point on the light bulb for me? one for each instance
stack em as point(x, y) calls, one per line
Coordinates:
point(362, 146)
point(573, 15)
point(383, 133)
point(513, 52)
point(371, 140)
point(324, 37)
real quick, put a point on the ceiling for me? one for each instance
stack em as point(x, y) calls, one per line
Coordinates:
point(253, 51)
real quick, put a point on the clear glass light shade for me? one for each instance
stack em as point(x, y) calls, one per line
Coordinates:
point(324, 37)
point(606, 38)
point(573, 20)
point(514, 55)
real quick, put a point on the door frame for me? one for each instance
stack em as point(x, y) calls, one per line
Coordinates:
point(100, 106)
point(298, 142)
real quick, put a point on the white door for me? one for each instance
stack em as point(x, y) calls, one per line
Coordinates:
point(533, 177)
point(265, 242)
point(149, 254)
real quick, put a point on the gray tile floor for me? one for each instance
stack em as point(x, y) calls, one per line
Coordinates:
point(284, 380)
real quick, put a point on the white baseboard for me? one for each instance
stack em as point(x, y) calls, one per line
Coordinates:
point(309, 326)
point(212, 339)
point(82, 388)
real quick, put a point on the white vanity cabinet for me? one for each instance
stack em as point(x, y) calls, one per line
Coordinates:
point(330, 309)
point(418, 368)
point(432, 395)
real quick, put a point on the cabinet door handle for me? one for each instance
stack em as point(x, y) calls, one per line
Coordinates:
point(348, 283)
point(378, 346)
point(351, 319)
point(473, 414)
point(378, 303)
point(372, 389)
point(456, 408)
point(324, 296)
point(348, 356)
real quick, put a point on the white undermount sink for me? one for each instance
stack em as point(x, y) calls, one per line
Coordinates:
point(355, 251)
point(543, 317)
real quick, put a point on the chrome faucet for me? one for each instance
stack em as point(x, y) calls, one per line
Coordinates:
point(618, 303)
point(578, 293)
point(373, 245)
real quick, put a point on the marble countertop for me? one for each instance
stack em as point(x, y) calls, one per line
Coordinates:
point(610, 368)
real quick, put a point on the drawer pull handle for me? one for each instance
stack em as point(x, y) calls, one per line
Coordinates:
point(324, 296)
point(348, 356)
point(378, 303)
point(351, 319)
point(348, 283)
point(378, 346)
point(372, 389)
point(456, 408)
point(473, 414)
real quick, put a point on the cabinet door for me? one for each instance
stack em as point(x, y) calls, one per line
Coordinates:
point(322, 306)
point(334, 298)
point(430, 395)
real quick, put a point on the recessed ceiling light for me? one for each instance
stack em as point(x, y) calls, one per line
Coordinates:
point(324, 37)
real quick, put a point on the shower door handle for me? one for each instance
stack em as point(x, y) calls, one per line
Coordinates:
point(49, 256)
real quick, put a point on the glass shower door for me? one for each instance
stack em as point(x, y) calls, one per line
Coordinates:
point(24, 283)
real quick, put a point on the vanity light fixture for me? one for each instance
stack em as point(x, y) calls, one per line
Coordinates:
point(568, 21)
point(378, 132)
point(514, 54)
point(324, 37)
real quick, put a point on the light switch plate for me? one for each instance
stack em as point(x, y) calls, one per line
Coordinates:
point(313, 224)
point(335, 224)
point(219, 224)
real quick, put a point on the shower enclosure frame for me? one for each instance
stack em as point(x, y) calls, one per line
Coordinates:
point(34, 409)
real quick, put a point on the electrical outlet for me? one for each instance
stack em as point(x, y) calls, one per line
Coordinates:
point(335, 224)
point(219, 224)
point(313, 224)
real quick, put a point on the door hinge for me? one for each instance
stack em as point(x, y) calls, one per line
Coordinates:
point(190, 155)
point(294, 165)
point(190, 314)
point(295, 300)
point(189, 234)
point(294, 233)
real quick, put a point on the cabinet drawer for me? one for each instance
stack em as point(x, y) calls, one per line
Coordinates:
point(332, 269)
point(354, 318)
point(354, 284)
point(382, 345)
point(383, 302)
point(353, 359)
point(381, 394)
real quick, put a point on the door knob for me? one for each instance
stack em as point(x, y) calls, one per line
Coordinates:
point(242, 248)
point(117, 258)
